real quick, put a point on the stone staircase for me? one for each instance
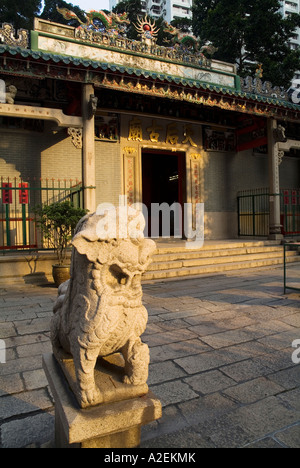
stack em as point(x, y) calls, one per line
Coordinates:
point(174, 261)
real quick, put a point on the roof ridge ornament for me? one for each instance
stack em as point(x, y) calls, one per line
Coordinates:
point(184, 48)
point(147, 30)
point(265, 89)
point(179, 37)
point(7, 36)
point(112, 22)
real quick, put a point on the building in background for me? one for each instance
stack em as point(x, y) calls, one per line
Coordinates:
point(288, 7)
point(169, 9)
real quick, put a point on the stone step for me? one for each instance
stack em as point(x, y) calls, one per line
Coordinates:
point(217, 268)
point(187, 254)
point(162, 264)
point(179, 246)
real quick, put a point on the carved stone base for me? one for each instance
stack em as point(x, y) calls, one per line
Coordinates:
point(275, 232)
point(111, 425)
point(109, 373)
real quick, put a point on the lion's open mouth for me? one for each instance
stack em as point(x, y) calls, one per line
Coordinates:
point(116, 276)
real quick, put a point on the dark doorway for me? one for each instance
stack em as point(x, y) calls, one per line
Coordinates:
point(163, 181)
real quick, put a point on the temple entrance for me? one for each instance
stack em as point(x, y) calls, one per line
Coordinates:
point(164, 182)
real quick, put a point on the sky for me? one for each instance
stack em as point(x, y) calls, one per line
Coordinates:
point(87, 5)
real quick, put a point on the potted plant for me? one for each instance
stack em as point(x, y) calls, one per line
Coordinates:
point(57, 223)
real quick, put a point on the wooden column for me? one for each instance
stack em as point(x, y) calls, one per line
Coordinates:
point(274, 185)
point(88, 149)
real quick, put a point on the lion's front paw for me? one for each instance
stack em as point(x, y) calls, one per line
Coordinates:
point(133, 380)
point(90, 397)
point(127, 380)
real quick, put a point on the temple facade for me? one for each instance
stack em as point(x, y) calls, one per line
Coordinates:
point(111, 117)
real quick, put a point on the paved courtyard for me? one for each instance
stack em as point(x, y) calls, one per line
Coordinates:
point(221, 362)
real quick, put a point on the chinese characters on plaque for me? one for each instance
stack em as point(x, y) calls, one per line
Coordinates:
point(172, 133)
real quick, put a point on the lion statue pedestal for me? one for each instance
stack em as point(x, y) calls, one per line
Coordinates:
point(99, 319)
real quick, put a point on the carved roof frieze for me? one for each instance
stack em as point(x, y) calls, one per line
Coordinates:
point(8, 36)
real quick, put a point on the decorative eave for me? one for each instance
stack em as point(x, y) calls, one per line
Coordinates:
point(147, 81)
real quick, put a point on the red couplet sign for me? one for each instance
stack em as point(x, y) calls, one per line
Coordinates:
point(23, 193)
point(6, 193)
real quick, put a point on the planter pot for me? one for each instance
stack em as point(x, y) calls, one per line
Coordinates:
point(60, 273)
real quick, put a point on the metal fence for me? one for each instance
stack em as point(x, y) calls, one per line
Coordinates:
point(18, 198)
point(290, 211)
point(254, 212)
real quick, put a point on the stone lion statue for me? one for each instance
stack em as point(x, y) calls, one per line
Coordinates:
point(99, 311)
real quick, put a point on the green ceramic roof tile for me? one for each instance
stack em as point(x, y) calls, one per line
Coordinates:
point(76, 61)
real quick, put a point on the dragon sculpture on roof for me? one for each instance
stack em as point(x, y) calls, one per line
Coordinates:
point(111, 21)
point(180, 38)
point(190, 44)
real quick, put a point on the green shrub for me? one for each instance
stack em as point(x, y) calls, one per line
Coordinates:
point(57, 223)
